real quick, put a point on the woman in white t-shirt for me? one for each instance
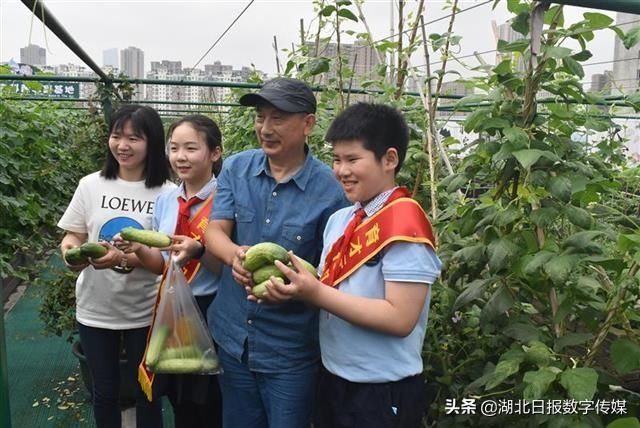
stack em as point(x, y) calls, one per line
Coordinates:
point(115, 293)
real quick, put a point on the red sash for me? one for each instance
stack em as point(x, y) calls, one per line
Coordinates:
point(400, 219)
point(196, 228)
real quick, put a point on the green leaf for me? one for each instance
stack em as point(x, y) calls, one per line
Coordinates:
point(457, 182)
point(495, 123)
point(520, 45)
point(521, 23)
point(584, 240)
point(625, 355)
point(582, 55)
point(538, 260)
point(538, 353)
point(516, 6)
point(498, 304)
point(503, 68)
point(552, 13)
point(625, 423)
point(471, 254)
point(598, 20)
point(475, 119)
point(472, 291)
point(537, 382)
point(328, 10)
point(631, 37)
point(559, 268)
point(518, 136)
point(580, 382)
point(522, 332)
point(529, 157)
point(560, 187)
point(544, 217)
point(557, 52)
point(318, 65)
point(503, 370)
point(628, 241)
point(346, 13)
point(573, 66)
point(578, 216)
point(502, 253)
point(571, 339)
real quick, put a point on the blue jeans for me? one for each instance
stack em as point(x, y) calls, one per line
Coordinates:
point(265, 400)
point(102, 349)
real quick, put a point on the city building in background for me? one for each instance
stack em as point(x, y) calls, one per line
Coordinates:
point(33, 55)
point(359, 56)
point(172, 70)
point(110, 58)
point(132, 62)
point(601, 82)
point(507, 34)
point(626, 62)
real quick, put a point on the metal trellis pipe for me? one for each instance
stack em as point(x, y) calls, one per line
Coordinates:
point(629, 6)
point(5, 410)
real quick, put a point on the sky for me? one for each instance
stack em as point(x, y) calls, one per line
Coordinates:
point(184, 30)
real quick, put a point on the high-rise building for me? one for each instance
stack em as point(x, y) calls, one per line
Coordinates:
point(171, 67)
point(110, 58)
point(132, 62)
point(508, 34)
point(359, 56)
point(601, 82)
point(626, 62)
point(33, 55)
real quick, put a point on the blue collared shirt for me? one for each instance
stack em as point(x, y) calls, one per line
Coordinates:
point(361, 354)
point(165, 217)
point(292, 214)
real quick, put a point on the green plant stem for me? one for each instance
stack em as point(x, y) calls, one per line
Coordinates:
point(339, 58)
point(611, 313)
point(403, 59)
point(431, 114)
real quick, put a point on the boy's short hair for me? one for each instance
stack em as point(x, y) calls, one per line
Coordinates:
point(378, 126)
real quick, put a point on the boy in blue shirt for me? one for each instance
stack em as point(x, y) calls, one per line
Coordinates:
point(378, 263)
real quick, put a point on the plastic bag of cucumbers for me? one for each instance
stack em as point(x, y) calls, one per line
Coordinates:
point(179, 341)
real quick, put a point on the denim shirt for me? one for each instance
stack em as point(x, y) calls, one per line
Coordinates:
point(292, 214)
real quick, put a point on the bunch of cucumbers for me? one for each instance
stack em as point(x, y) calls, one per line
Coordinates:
point(260, 259)
point(178, 359)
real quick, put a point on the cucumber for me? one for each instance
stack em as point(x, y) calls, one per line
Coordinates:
point(73, 256)
point(308, 266)
point(93, 250)
point(150, 238)
point(210, 365)
point(179, 365)
point(180, 352)
point(266, 272)
point(261, 289)
point(262, 254)
point(158, 338)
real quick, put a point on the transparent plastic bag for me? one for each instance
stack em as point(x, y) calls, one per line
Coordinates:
point(180, 341)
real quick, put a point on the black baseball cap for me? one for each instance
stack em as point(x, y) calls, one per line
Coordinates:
point(290, 95)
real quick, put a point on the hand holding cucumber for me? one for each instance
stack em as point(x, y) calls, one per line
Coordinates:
point(113, 257)
point(303, 283)
point(239, 273)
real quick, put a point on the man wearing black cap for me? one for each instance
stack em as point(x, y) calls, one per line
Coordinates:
point(280, 193)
